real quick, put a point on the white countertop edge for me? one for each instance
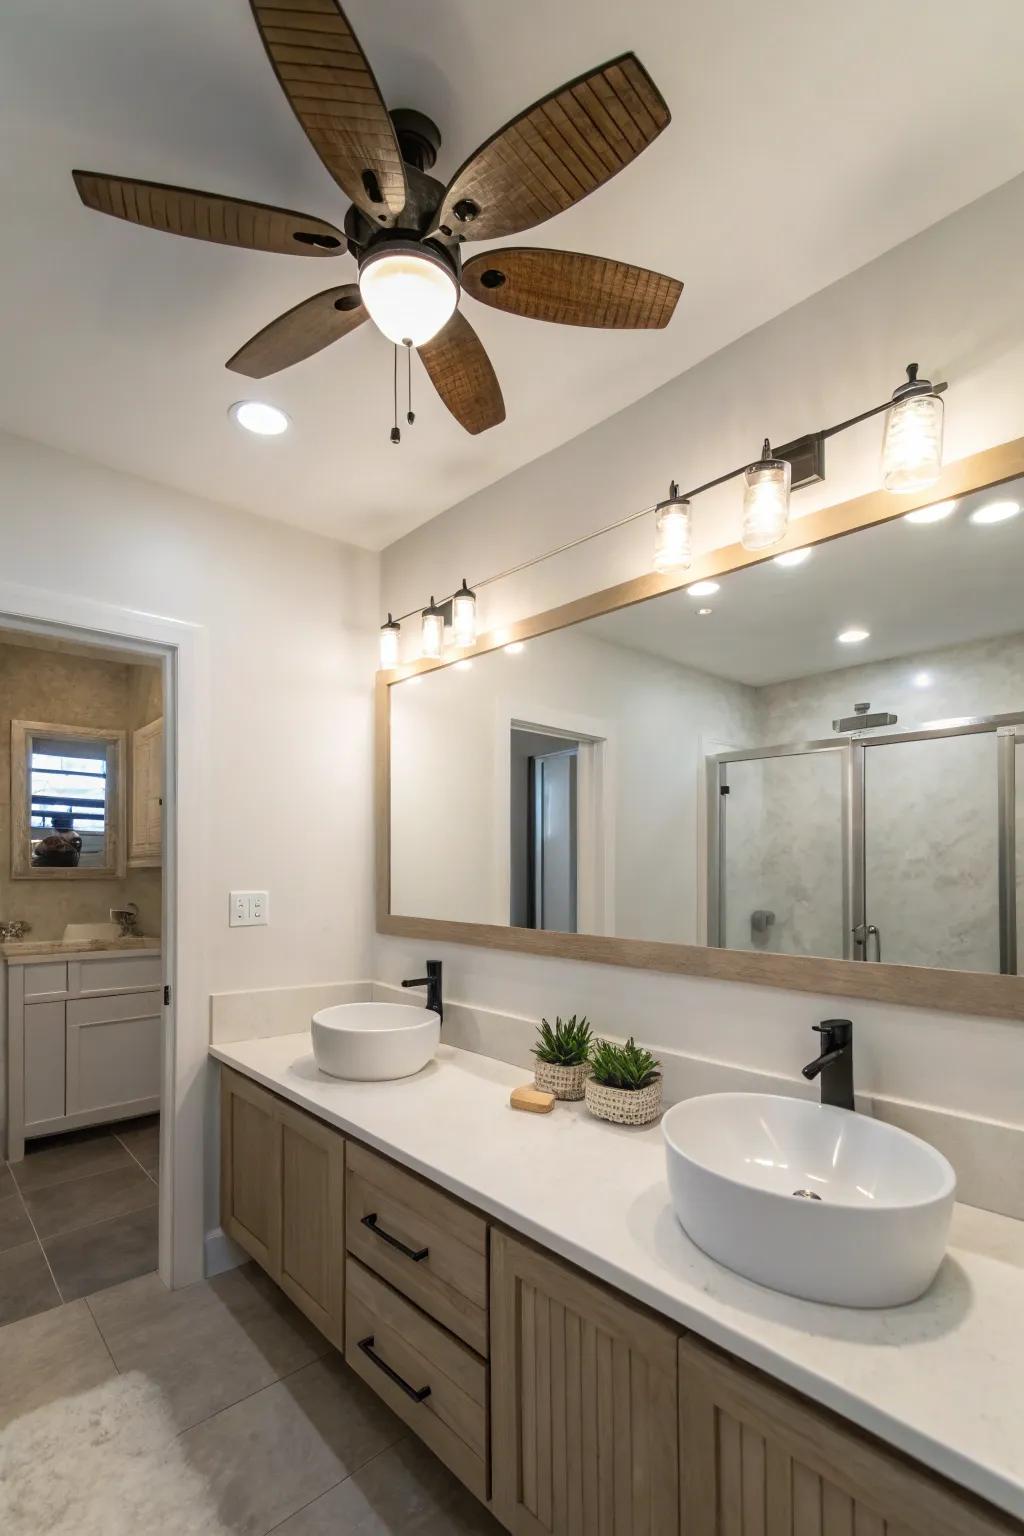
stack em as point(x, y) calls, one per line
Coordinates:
point(101, 950)
point(987, 1481)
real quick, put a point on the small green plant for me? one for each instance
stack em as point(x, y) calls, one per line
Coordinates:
point(623, 1066)
point(565, 1045)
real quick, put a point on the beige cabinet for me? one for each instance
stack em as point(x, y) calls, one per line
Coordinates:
point(759, 1461)
point(282, 1197)
point(145, 831)
point(584, 1403)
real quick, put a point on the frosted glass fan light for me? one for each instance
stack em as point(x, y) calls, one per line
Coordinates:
point(464, 615)
point(389, 634)
point(409, 293)
point(912, 445)
point(673, 534)
point(432, 632)
point(765, 501)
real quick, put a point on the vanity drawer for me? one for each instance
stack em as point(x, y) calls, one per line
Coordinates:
point(441, 1386)
point(427, 1244)
point(49, 980)
point(123, 972)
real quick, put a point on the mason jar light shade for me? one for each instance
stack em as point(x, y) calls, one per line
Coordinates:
point(464, 615)
point(765, 501)
point(673, 535)
point(389, 634)
point(432, 632)
point(912, 445)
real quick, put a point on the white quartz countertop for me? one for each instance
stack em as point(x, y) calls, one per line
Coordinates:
point(941, 1379)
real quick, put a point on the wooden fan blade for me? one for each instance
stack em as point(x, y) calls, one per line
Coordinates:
point(205, 216)
point(326, 76)
point(296, 335)
point(555, 152)
point(570, 289)
point(461, 372)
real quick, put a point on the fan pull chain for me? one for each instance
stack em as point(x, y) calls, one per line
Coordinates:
point(396, 436)
point(410, 415)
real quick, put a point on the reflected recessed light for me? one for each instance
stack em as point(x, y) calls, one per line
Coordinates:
point(463, 666)
point(702, 613)
point(922, 679)
point(852, 636)
point(256, 416)
point(996, 512)
point(933, 514)
point(793, 557)
point(702, 589)
point(514, 649)
point(414, 679)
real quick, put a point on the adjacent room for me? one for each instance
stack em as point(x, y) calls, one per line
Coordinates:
point(511, 769)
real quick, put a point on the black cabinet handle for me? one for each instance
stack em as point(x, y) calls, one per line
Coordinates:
point(416, 1254)
point(417, 1394)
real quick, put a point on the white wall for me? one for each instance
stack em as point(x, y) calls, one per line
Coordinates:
point(951, 299)
point(289, 620)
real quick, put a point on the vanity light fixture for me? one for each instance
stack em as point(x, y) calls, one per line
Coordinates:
point(996, 512)
point(852, 636)
point(259, 418)
point(936, 513)
point(432, 631)
point(793, 557)
point(389, 634)
point(765, 500)
point(912, 444)
point(673, 537)
point(703, 589)
point(464, 615)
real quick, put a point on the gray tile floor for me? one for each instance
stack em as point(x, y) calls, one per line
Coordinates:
point(268, 1421)
point(77, 1214)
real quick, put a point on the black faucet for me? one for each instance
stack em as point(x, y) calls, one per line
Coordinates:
point(835, 1064)
point(432, 982)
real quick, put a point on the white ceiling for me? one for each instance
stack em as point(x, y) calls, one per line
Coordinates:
point(870, 120)
point(914, 587)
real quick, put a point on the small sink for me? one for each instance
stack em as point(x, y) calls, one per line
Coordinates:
point(374, 1041)
point(814, 1201)
point(90, 933)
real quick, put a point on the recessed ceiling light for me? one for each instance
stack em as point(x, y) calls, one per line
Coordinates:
point(463, 666)
point(702, 613)
point(514, 648)
point(996, 512)
point(793, 557)
point(852, 636)
point(922, 679)
point(933, 514)
point(256, 416)
point(702, 589)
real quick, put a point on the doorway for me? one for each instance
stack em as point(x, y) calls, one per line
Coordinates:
point(544, 831)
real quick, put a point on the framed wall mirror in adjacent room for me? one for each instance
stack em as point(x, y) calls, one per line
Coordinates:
point(807, 771)
point(67, 802)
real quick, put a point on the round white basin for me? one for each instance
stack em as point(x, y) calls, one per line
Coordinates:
point(374, 1041)
point(815, 1201)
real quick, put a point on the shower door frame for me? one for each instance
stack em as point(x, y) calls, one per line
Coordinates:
point(1009, 732)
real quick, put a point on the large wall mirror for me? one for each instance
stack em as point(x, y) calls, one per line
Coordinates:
point(812, 774)
point(67, 802)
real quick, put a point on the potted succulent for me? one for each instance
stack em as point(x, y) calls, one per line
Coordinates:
point(625, 1083)
point(563, 1057)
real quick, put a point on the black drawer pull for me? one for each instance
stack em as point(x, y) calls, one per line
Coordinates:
point(416, 1254)
point(366, 1345)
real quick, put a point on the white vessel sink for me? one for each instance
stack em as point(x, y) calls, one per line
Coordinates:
point(374, 1041)
point(89, 933)
point(743, 1171)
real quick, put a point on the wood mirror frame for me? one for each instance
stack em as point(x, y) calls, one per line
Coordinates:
point(23, 733)
point(946, 991)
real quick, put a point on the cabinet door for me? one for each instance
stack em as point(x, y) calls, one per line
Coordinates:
point(44, 1064)
point(250, 1169)
point(313, 1219)
point(759, 1461)
point(112, 1056)
point(147, 794)
point(583, 1401)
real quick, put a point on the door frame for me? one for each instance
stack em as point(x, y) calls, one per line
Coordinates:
point(182, 649)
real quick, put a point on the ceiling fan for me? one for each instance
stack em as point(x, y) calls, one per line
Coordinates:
point(406, 230)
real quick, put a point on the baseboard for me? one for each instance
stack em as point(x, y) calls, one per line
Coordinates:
point(220, 1253)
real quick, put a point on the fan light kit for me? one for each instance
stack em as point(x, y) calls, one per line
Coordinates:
point(912, 449)
point(256, 417)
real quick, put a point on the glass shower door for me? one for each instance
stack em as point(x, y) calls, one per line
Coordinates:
point(931, 853)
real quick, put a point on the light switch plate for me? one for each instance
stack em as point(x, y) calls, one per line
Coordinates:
point(249, 909)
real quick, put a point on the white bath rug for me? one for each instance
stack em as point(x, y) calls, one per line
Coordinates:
point(102, 1463)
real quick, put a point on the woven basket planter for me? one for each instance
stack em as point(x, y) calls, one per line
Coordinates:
point(563, 1082)
point(626, 1106)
